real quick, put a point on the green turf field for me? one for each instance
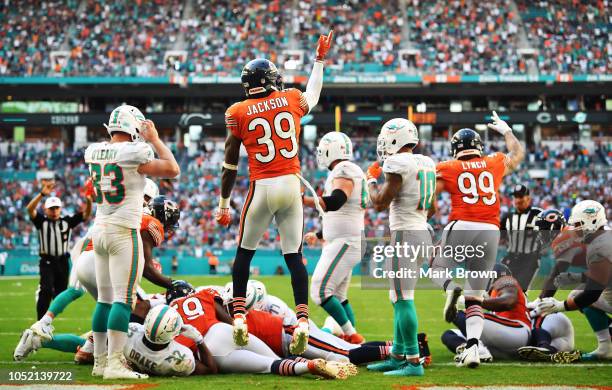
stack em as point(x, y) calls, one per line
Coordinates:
point(373, 312)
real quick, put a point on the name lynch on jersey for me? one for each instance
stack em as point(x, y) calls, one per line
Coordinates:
point(267, 105)
point(479, 164)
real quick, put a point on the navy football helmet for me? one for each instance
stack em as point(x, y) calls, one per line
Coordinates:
point(166, 211)
point(466, 142)
point(259, 77)
point(179, 289)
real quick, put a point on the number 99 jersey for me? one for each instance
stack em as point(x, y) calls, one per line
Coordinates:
point(197, 310)
point(474, 187)
point(119, 188)
point(269, 128)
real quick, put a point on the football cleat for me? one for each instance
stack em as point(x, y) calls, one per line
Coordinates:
point(240, 330)
point(326, 370)
point(99, 365)
point(566, 357)
point(424, 352)
point(299, 342)
point(596, 355)
point(28, 343)
point(117, 368)
point(84, 353)
point(407, 369)
point(355, 338)
point(535, 354)
point(387, 365)
point(450, 306)
point(44, 331)
point(484, 354)
point(350, 368)
point(469, 357)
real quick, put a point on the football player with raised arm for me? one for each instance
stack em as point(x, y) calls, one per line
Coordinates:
point(267, 123)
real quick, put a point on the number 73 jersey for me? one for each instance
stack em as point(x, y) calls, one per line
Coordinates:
point(269, 128)
point(119, 188)
point(474, 187)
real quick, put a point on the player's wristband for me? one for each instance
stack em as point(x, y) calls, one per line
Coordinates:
point(230, 166)
point(224, 203)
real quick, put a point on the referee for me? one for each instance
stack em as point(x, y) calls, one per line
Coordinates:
point(523, 256)
point(53, 237)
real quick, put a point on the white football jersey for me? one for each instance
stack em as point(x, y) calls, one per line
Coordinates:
point(278, 307)
point(119, 187)
point(600, 249)
point(409, 208)
point(348, 220)
point(174, 360)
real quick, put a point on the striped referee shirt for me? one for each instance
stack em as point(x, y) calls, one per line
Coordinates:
point(54, 236)
point(521, 234)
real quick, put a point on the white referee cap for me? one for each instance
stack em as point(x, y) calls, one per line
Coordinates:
point(53, 201)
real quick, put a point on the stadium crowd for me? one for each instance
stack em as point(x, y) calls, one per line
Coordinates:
point(197, 189)
point(111, 37)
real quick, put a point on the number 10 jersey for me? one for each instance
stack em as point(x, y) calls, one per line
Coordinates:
point(119, 188)
point(474, 187)
point(269, 128)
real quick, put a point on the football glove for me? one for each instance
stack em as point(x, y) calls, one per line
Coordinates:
point(191, 332)
point(324, 45)
point(549, 306)
point(499, 125)
point(222, 215)
point(565, 278)
point(89, 188)
point(374, 172)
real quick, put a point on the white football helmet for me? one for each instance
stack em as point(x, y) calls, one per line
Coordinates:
point(162, 324)
point(261, 291)
point(150, 189)
point(588, 216)
point(334, 146)
point(251, 294)
point(394, 135)
point(126, 119)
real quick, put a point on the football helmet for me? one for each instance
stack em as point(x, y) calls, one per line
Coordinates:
point(251, 294)
point(179, 289)
point(588, 216)
point(394, 135)
point(166, 211)
point(259, 76)
point(126, 119)
point(162, 324)
point(500, 270)
point(260, 288)
point(150, 189)
point(551, 219)
point(466, 142)
point(334, 146)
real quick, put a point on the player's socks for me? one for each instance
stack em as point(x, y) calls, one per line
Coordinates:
point(398, 347)
point(474, 321)
point(118, 322)
point(333, 306)
point(408, 325)
point(542, 339)
point(393, 363)
point(299, 282)
point(289, 367)
point(100, 327)
point(452, 340)
point(366, 354)
point(598, 320)
point(47, 319)
point(64, 342)
point(348, 309)
point(240, 278)
point(64, 299)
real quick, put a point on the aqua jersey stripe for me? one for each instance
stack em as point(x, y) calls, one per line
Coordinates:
point(330, 270)
point(160, 316)
point(134, 269)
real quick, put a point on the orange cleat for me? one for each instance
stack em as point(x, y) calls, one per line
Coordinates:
point(355, 338)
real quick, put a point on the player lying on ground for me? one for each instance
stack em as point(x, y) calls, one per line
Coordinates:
point(268, 124)
point(408, 193)
point(473, 182)
point(507, 326)
point(204, 311)
point(344, 200)
point(594, 298)
point(160, 218)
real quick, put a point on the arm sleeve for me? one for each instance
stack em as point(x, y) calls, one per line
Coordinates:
point(75, 219)
point(231, 122)
point(314, 86)
point(135, 154)
point(156, 230)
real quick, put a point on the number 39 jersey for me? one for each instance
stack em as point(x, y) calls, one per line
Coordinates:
point(474, 187)
point(269, 128)
point(119, 188)
point(409, 209)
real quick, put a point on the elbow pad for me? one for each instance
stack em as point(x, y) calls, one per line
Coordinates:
point(336, 200)
point(592, 292)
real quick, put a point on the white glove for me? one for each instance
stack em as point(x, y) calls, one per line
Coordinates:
point(565, 278)
point(499, 125)
point(191, 332)
point(461, 303)
point(549, 306)
point(533, 304)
